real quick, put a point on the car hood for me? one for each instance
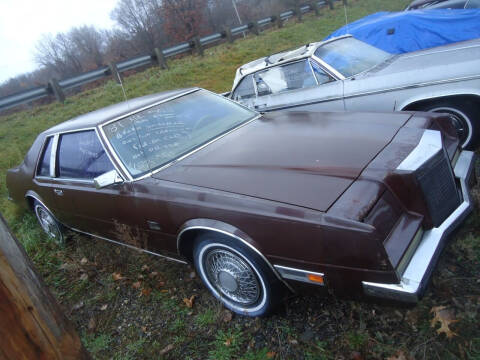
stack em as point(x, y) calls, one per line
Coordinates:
point(301, 158)
point(438, 63)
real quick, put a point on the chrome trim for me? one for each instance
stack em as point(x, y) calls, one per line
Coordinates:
point(313, 72)
point(429, 144)
point(253, 248)
point(420, 267)
point(414, 86)
point(128, 246)
point(328, 68)
point(53, 155)
point(298, 274)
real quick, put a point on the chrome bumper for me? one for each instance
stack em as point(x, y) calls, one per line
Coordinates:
point(420, 267)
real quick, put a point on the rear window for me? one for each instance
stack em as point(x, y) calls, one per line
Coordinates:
point(44, 164)
point(81, 156)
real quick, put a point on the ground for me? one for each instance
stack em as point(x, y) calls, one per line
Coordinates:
point(127, 305)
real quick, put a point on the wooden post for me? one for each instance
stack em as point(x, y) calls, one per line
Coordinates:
point(254, 26)
point(315, 8)
point(228, 34)
point(198, 45)
point(298, 12)
point(279, 21)
point(32, 324)
point(330, 4)
point(160, 58)
point(115, 73)
point(56, 89)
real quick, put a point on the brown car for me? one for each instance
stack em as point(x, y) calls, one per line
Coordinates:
point(356, 202)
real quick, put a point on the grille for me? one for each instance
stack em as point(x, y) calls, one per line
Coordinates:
point(438, 186)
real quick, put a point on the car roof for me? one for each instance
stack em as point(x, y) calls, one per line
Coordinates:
point(280, 58)
point(94, 118)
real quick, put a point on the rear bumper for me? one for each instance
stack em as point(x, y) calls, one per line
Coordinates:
point(420, 267)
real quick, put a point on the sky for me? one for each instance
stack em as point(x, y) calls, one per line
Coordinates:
point(22, 22)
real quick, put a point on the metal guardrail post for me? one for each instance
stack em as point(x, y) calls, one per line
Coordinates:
point(228, 34)
point(315, 8)
point(298, 12)
point(198, 45)
point(330, 4)
point(115, 73)
point(160, 58)
point(279, 21)
point(56, 89)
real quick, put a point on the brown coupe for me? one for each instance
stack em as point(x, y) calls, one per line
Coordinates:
point(356, 202)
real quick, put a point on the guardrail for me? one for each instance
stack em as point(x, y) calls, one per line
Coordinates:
point(57, 87)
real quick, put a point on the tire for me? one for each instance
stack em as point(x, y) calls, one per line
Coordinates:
point(49, 224)
point(467, 121)
point(240, 279)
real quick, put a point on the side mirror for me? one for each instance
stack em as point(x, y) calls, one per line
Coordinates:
point(108, 178)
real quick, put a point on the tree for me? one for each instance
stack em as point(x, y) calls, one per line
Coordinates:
point(185, 19)
point(141, 20)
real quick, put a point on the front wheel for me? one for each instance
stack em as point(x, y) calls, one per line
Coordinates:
point(49, 224)
point(465, 119)
point(237, 276)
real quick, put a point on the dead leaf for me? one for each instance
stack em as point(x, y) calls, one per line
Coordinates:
point(104, 307)
point(145, 267)
point(117, 276)
point(228, 342)
point(152, 274)
point(227, 316)
point(166, 349)
point(140, 276)
point(84, 276)
point(84, 261)
point(145, 292)
point(144, 329)
point(77, 306)
point(356, 356)
point(136, 285)
point(189, 302)
point(271, 354)
point(92, 324)
point(445, 317)
point(164, 291)
point(293, 342)
point(160, 284)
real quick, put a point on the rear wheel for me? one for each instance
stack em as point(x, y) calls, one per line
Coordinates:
point(236, 275)
point(465, 120)
point(50, 226)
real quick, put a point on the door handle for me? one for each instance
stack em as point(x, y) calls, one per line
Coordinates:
point(58, 192)
point(260, 106)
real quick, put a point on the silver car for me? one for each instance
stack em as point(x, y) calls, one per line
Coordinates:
point(346, 74)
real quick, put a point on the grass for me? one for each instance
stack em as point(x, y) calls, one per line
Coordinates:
point(143, 315)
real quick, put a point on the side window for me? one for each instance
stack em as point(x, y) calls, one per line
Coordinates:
point(285, 77)
point(320, 74)
point(245, 89)
point(81, 156)
point(44, 164)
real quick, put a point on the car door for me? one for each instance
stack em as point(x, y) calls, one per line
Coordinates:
point(299, 85)
point(105, 212)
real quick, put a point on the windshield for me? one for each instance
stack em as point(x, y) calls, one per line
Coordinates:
point(154, 137)
point(350, 56)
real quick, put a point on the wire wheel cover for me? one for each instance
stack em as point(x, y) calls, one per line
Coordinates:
point(48, 223)
point(232, 276)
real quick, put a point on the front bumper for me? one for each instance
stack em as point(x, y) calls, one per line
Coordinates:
point(420, 267)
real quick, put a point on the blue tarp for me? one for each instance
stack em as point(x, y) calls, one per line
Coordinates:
point(406, 31)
